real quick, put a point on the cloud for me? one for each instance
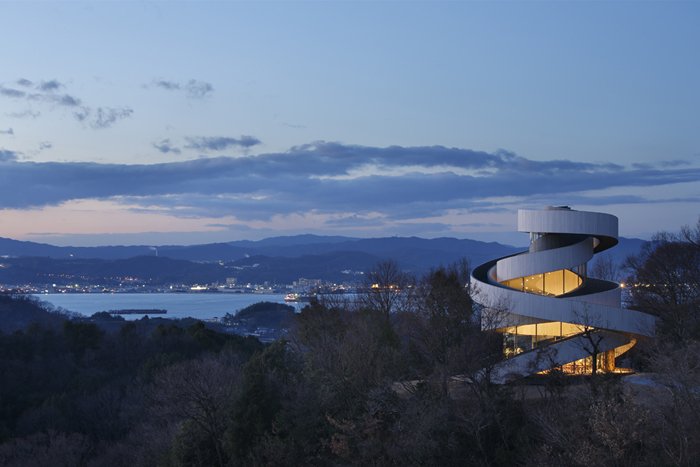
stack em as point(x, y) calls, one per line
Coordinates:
point(44, 145)
point(24, 114)
point(674, 163)
point(7, 155)
point(219, 143)
point(354, 220)
point(165, 147)
point(167, 85)
point(101, 117)
point(9, 131)
point(45, 92)
point(193, 88)
point(105, 117)
point(293, 125)
point(65, 99)
point(596, 200)
point(50, 86)
point(343, 184)
point(198, 89)
point(491, 225)
point(10, 92)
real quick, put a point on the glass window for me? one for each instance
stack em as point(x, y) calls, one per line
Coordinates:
point(571, 281)
point(534, 284)
point(554, 282)
point(516, 283)
point(549, 283)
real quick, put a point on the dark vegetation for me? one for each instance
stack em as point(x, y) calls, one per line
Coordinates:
point(262, 314)
point(266, 320)
point(18, 312)
point(368, 382)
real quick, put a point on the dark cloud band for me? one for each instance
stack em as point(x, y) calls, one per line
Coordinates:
point(397, 182)
point(220, 143)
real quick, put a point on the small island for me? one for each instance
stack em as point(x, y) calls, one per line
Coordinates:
point(265, 320)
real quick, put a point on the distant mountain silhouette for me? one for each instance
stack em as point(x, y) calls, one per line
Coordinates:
point(9, 247)
point(292, 240)
point(276, 260)
point(156, 271)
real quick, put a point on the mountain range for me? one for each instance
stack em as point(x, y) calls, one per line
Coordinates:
point(276, 259)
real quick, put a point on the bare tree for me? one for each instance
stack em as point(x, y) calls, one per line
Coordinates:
point(197, 392)
point(665, 279)
point(678, 370)
point(387, 289)
point(50, 449)
point(591, 338)
point(606, 268)
point(691, 234)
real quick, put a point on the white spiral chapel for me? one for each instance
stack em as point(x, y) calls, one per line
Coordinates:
point(553, 316)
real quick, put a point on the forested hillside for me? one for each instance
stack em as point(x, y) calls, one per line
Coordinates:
point(368, 382)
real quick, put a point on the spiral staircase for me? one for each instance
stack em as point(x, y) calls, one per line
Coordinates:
point(551, 314)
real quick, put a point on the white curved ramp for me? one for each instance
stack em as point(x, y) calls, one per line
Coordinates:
point(551, 314)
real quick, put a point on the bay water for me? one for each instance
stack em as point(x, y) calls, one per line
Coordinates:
point(204, 306)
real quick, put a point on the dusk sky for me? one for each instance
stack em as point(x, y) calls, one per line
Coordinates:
point(176, 122)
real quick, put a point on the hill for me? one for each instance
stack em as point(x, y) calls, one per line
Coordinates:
point(262, 314)
point(18, 312)
point(275, 260)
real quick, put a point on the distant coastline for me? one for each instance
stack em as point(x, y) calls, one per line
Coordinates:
point(138, 311)
point(203, 306)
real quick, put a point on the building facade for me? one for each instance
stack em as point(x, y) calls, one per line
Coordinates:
point(551, 314)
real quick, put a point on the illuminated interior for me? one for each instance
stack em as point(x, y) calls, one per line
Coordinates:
point(552, 283)
point(518, 339)
point(605, 364)
point(552, 316)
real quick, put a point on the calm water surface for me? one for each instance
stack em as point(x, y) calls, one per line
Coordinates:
point(179, 305)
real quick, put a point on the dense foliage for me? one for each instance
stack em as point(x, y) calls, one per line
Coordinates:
point(367, 382)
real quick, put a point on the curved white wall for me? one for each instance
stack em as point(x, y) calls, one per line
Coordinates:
point(566, 239)
point(567, 221)
point(544, 261)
